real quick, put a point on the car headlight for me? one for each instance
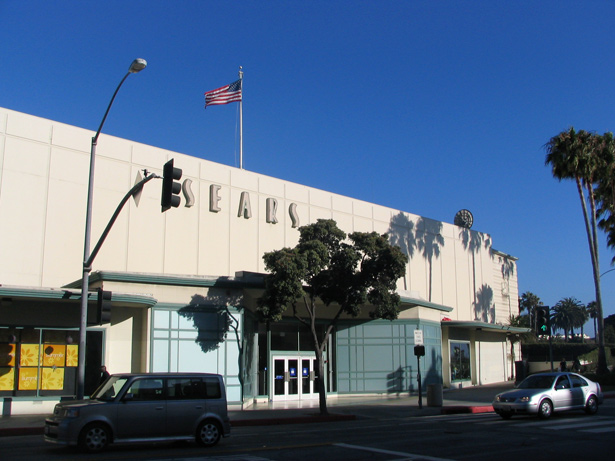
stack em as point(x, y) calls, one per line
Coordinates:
point(524, 399)
point(497, 398)
point(71, 412)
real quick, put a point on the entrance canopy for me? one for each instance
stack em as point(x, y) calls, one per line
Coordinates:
point(484, 326)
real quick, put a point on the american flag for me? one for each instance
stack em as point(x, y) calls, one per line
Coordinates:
point(224, 95)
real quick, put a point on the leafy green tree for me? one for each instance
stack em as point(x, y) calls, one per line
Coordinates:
point(580, 156)
point(325, 276)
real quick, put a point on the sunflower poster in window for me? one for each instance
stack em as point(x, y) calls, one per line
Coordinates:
point(72, 355)
point(7, 378)
point(28, 356)
point(54, 355)
point(7, 355)
point(28, 379)
point(52, 379)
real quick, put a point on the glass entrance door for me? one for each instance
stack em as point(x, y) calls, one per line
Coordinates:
point(294, 378)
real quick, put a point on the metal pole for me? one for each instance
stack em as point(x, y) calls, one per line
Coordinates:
point(136, 66)
point(241, 121)
point(418, 359)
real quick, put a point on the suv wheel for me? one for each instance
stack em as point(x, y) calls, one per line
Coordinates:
point(94, 437)
point(208, 434)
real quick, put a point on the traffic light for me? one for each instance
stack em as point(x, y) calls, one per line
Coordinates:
point(170, 188)
point(103, 306)
point(543, 324)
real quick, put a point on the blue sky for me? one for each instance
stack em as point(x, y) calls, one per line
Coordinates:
point(424, 106)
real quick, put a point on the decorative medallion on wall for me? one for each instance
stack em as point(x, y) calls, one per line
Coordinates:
point(464, 218)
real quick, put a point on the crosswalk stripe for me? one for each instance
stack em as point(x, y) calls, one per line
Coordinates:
point(571, 426)
point(600, 430)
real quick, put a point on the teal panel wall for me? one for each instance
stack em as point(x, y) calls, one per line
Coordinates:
point(198, 340)
point(378, 356)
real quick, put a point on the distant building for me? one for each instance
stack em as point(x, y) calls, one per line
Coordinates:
point(185, 282)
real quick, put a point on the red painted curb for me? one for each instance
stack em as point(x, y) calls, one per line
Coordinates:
point(466, 409)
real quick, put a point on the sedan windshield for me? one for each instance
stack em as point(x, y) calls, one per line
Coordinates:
point(109, 390)
point(537, 382)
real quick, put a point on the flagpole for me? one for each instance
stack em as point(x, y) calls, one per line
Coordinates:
point(241, 121)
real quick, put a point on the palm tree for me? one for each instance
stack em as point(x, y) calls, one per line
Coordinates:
point(605, 189)
point(581, 318)
point(567, 315)
point(529, 302)
point(592, 310)
point(577, 155)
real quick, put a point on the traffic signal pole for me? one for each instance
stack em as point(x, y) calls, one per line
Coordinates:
point(135, 189)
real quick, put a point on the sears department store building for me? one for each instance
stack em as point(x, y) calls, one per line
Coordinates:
point(185, 283)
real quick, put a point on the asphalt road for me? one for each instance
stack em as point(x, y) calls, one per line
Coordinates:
point(459, 437)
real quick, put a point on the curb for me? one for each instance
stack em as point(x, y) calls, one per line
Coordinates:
point(454, 410)
point(14, 431)
point(293, 420)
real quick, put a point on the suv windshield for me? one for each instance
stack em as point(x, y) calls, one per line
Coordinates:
point(537, 382)
point(109, 389)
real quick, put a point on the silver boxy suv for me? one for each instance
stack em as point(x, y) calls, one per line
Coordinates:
point(148, 407)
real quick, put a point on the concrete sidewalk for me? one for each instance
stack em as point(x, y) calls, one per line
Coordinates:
point(476, 399)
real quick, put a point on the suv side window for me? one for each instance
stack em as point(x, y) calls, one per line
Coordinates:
point(146, 389)
point(194, 388)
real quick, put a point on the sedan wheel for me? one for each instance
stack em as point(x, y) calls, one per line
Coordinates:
point(208, 434)
point(545, 409)
point(591, 407)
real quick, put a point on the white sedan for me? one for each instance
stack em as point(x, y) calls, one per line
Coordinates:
point(543, 393)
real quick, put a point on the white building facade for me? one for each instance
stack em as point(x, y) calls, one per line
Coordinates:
point(185, 282)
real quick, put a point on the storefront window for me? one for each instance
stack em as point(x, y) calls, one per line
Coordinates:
point(37, 362)
point(460, 361)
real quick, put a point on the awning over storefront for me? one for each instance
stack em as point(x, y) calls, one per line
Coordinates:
point(57, 307)
point(13, 294)
point(484, 326)
point(408, 302)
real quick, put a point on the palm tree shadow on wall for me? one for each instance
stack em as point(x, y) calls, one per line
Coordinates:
point(429, 242)
point(401, 233)
point(424, 236)
point(473, 242)
point(484, 306)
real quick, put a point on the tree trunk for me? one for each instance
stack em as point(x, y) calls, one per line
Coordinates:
point(593, 250)
point(322, 388)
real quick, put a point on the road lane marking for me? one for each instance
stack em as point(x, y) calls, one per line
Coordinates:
point(574, 426)
point(600, 430)
point(389, 452)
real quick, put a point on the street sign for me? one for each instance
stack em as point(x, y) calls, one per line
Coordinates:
point(418, 337)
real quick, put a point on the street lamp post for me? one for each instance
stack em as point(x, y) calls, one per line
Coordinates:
point(136, 66)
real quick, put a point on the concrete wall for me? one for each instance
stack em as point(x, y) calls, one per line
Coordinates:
point(44, 171)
